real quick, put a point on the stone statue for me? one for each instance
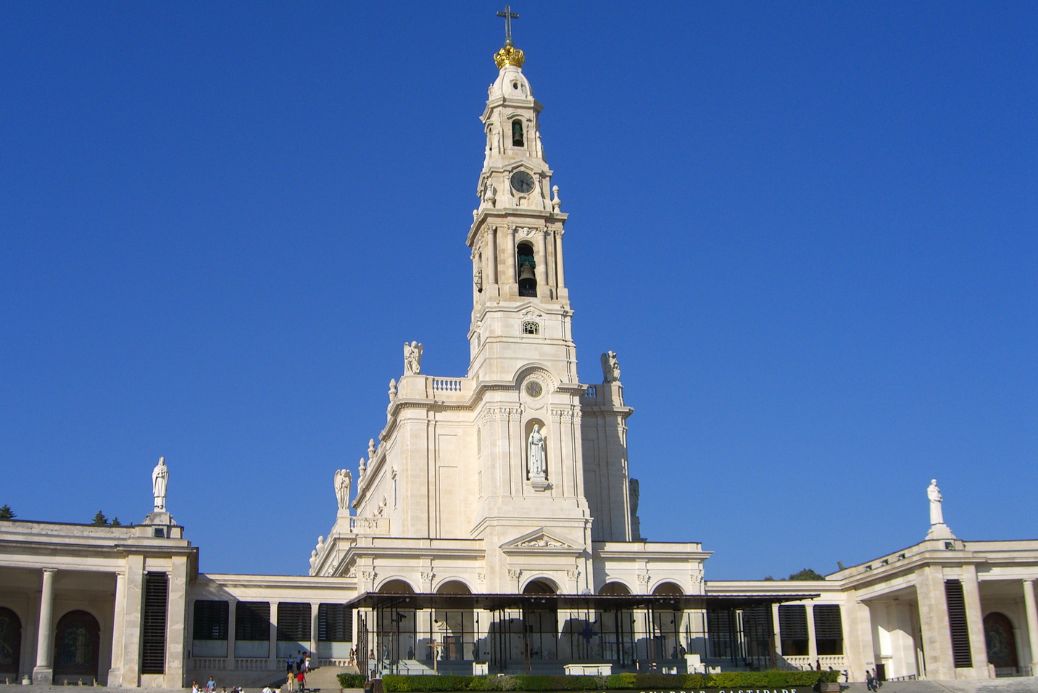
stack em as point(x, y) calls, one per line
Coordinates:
point(313, 559)
point(412, 358)
point(343, 478)
point(633, 491)
point(934, 494)
point(610, 367)
point(320, 542)
point(477, 278)
point(363, 468)
point(159, 479)
point(392, 389)
point(491, 198)
point(536, 454)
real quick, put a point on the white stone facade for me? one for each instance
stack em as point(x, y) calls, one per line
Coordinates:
point(511, 478)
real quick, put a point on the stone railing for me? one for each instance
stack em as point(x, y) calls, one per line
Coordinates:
point(447, 384)
point(234, 664)
point(806, 663)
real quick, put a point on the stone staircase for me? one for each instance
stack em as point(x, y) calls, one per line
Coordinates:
point(326, 677)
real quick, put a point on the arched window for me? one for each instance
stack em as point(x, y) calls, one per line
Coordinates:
point(525, 265)
point(77, 642)
point(517, 133)
point(10, 641)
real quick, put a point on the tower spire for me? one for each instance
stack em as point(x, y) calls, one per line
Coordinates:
point(509, 54)
point(508, 16)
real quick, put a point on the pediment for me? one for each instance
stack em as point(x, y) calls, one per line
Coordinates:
point(538, 541)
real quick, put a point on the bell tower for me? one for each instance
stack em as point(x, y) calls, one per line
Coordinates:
point(519, 296)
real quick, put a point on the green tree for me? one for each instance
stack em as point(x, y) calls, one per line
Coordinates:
point(806, 574)
point(115, 522)
point(100, 520)
point(6, 513)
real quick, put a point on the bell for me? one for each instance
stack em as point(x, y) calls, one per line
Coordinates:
point(526, 272)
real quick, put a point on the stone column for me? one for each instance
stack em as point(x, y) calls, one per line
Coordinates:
point(1032, 624)
point(43, 672)
point(555, 463)
point(494, 259)
point(176, 624)
point(975, 621)
point(315, 609)
point(933, 623)
point(232, 632)
point(543, 281)
point(558, 259)
point(812, 646)
point(513, 273)
point(778, 631)
point(272, 652)
point(115, 672)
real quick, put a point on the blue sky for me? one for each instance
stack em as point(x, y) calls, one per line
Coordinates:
point(808, 229)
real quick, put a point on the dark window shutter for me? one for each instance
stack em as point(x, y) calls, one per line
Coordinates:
point(828, 629)
point(210, 622)
point(960, 634)
point(334, 623)
point(293, 622)
point(153, 624)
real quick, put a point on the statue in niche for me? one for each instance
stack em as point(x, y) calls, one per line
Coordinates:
point(536, 467)
point(159, 479)
point(343, 479)
point(412, 358)
point(633, 491)
point(934, 494)
point(392, 389)
point(491, 196)
point(477, 279)
point(610, 367)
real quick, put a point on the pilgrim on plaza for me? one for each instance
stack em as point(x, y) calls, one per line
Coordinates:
point(493, 527)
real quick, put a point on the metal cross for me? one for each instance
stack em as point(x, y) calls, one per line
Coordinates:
point(508, 17)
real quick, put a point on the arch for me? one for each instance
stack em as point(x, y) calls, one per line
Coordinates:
point(453, 586)
point(534, 370)
point(526, 269)
point(1000, 641)
point(10, 641)
point(395, 585)
point(668, 588)
point(517, 133)
point(614, 588)
point(541, 585)
point(77, 643)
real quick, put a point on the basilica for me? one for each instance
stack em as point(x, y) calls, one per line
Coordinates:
point(493, 527)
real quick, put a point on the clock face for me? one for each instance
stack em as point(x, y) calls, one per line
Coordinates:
point(522, 182)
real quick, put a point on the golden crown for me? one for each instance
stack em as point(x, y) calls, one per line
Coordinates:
point(509, 55)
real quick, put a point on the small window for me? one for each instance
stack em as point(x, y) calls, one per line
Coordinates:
point(517, 133)
point(530, 327)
